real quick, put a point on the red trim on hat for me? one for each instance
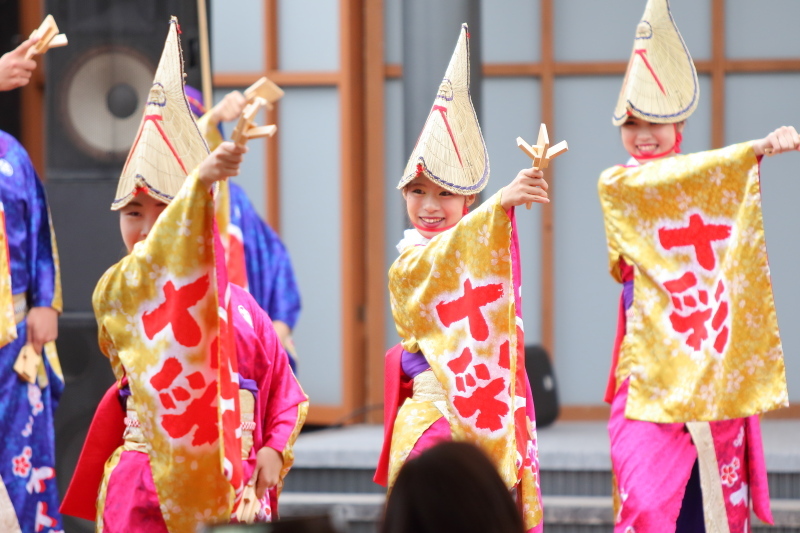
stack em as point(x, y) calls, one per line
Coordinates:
point(443, 111)
point(641, 53)
point(156, 119)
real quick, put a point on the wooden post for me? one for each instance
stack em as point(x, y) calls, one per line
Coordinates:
point(205, 54)
point(376, 267)
point(546, 24)
point(32, 96)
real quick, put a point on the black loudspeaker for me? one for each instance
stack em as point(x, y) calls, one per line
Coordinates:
point(87, 235)
point(98, 85)
point(87, 375)
point(543, 385)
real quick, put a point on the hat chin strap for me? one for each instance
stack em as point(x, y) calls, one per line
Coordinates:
point(676, 148)
point(433, 230)
point(439, 230)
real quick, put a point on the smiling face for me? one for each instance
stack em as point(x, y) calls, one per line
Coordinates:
point(432, 208)
point(643, 139)
point(137, 218)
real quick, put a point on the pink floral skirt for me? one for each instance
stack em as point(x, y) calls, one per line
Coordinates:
point(652, 464)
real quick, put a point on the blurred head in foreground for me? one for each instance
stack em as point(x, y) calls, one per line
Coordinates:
point(451, 487)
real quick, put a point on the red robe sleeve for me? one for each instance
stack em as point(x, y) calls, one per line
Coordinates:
point(104, 436)
point(397, 388)
point(626, 273)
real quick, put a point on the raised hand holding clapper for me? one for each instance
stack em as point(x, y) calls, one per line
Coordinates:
point(541, 153)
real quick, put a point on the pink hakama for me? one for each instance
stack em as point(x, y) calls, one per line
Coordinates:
point(652, 464)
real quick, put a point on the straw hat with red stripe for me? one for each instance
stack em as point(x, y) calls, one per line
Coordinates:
point(450, 150)
point(661, 81)
point(168, 145)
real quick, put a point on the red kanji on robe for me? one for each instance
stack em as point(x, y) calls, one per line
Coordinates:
point(175, 311)
point(479, 391)
point(469, 306)
point(698, 235)
point(201, 411)
point(692, 311)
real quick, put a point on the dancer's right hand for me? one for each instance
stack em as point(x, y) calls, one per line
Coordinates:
point(222, 163)
point(528, 186)
point(15, 70)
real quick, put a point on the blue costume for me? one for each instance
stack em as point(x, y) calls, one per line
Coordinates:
point(27, 455)
point(270, 277)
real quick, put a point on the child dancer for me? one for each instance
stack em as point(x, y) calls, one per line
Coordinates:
point(697, 354)
point(210, 400)
point(459, 373)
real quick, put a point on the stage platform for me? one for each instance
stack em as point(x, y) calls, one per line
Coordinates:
point(333, 474)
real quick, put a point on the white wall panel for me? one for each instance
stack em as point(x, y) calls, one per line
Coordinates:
point(311, 229)
point(588, 30)
point(510, 31)
point(395, 217)
point(393, 31)
point(756, 105)
point(237, 25)
point(697, 132)
point(693, 18)
point(308, 35)
point(587, 297)
point(767, 28)
point(511, 109)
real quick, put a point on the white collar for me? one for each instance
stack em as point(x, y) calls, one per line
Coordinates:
point(411, 237)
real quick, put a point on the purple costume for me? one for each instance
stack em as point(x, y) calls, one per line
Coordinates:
point(27, 457)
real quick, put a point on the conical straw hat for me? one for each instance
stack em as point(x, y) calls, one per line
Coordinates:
point(661, 82)
point(168, 145)
point(450, 150)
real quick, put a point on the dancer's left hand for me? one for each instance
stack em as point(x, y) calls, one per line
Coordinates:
point(783, 139)
point(269, 463)
point(42, 326)
point(229, 108)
